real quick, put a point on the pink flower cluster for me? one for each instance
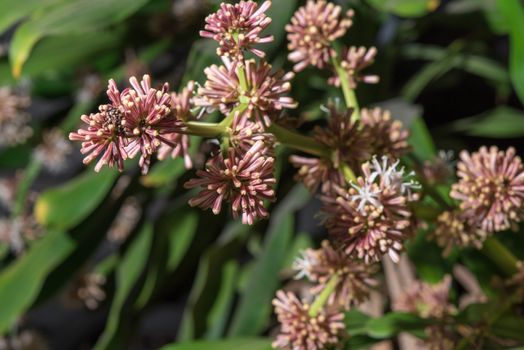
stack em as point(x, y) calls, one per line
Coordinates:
point(138, 120)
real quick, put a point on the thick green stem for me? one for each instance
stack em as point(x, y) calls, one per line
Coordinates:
point(349, 94)
point(321, 300)
point(241, 73)
point(298, 141)
point(500, 255)
point(204, 129)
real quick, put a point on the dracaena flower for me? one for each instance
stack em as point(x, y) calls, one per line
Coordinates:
point(311, 32)
point(354, 281)
point(105, 135)
point(181, 105)
point(491, 188)
point(315, 172)
point(455, 229)
point(349, 142)
point(301, 331)
point(440, 169)
point(53, 151)
point(244, 133)
point(386, 135)
point(371, 218)
point(243, 179)
point(426, 300)
point(14, 128)
point(354, 60)
point(263, 91)
point(237, 28)
point(148, 119)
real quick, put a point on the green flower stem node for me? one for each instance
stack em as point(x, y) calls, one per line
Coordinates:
point(321, 300)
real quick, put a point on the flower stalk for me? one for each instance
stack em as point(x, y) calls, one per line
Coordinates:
point(349, 94)
point(321, 300)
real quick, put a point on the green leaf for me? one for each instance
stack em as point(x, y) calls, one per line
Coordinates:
point(421, 141)
point(164, 172)
point(173, 235)
point(66, 206)
point(218, 316)
point(211, 268)
point(394, 323)
point(356, 322)
point(501, 122)
point(227, 344)
point(202, 55)
point(513, 12)
point(21, 282)
point(255, 303)
point(11, 11)
point(74, 49)
point(127, 274)
point(30, 174)
point(64, 18)
point(406, 8)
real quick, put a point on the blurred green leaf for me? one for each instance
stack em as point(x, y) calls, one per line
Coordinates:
point(394, 323)
point(128, 272)
point(21, 282)
point(64, 18)
point(164, 172)
point(218, 316)
point(30, 174)
point(356, 322)
point(406, 8)
point(209, 277)
point(11, 11)
point(174, 233)
point(74, 49)
point(66, 206)
point(427, 256)
point(421, 141)
point(15, 157)
point(227, 344)
point(201, 55)
point(513, 12)
point(301, 242)
point(502, 122)
point(255, 304)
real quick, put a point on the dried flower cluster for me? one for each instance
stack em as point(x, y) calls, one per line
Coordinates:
point(53, 151)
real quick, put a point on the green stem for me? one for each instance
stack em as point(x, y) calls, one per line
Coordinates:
point(349, 175)
point(500, 255)
point(349, 94)
point(204, 129)
point(321, 300)
point(298, 141)
point(226, 122)
point(241, 73)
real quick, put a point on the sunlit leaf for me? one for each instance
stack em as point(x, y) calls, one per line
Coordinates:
point(66, 206)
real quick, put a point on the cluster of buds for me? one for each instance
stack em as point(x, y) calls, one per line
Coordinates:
point(14, 128)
